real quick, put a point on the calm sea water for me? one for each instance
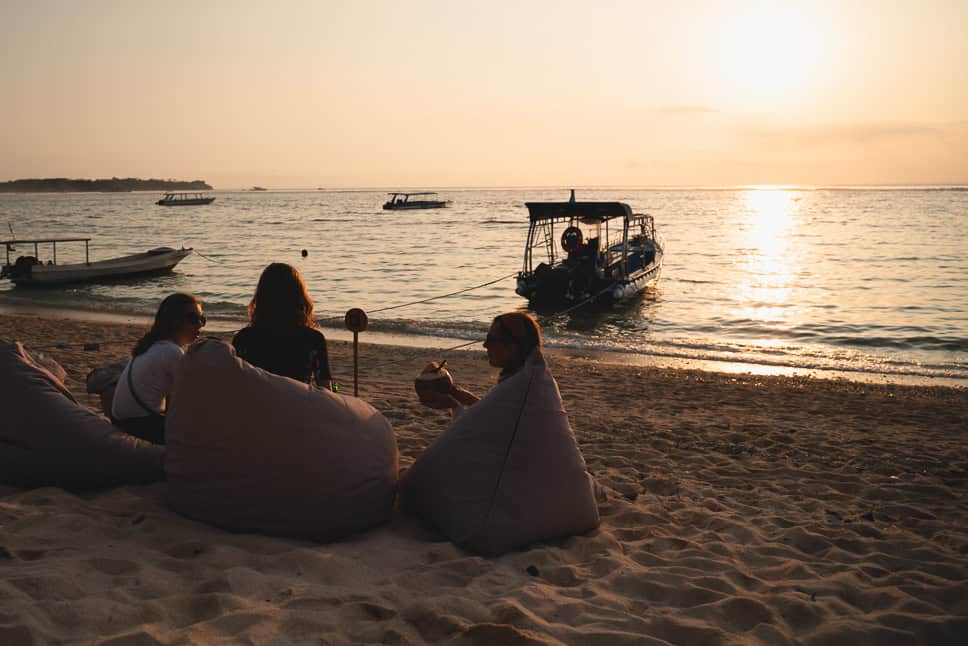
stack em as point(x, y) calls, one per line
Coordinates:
point(850, 280)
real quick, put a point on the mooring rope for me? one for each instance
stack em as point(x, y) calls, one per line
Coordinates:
point(199, 253)
point(96, 345)
point(434, 298)
point(423, 300)
point(90, 346)
point(544, 320)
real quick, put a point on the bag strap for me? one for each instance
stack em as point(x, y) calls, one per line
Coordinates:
point(134, 393)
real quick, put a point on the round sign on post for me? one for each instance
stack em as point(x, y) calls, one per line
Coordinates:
point(356, 321)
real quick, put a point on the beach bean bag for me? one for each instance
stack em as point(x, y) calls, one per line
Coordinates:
point(252, 451)
point(48, 439)
point(507, 472)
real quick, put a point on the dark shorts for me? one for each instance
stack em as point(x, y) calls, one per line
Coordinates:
point(149, 427)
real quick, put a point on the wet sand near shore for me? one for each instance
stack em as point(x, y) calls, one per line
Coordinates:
point(742, 509)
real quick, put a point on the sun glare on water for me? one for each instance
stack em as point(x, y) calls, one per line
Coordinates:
point(770, 220)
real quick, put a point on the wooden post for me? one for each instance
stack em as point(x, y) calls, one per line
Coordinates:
point(356, 321)
point(356, 364)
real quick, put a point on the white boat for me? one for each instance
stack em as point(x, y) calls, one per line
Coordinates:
point(608, 254)
point(403, 201)
point(29, 271)
point(185, 199)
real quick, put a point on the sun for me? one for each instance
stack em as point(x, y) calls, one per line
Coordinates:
point(770, 57)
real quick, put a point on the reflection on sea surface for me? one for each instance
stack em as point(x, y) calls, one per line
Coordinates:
point(765, 233)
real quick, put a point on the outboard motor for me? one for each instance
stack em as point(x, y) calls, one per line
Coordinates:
point(20, 268)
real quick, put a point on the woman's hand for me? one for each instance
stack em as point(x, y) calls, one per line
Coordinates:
point(440, 401)
point(464, 397)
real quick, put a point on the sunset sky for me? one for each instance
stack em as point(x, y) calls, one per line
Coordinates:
point(455, 93)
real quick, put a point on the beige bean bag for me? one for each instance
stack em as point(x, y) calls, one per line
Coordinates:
point(48, 439)
point(507, 472)
point(252, 451)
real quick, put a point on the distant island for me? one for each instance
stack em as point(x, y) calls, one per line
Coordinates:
point(113, 185)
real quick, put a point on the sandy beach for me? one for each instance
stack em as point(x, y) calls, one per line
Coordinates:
point(741, 509)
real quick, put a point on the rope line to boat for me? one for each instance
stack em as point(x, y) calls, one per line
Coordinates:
point(96, 345)
point(541, 321)
point(544, 320)
point(199, 253)
point(425, 300)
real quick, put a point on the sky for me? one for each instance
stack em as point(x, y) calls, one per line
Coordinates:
point(308, 93)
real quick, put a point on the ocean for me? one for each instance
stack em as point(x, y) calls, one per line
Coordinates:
point(855, 282)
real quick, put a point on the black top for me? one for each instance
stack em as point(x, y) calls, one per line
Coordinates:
point(299, 353)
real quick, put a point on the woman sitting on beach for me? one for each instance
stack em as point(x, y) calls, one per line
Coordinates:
point(282, 337)
point(144, 386)
point(507, 472)
point(510, 340)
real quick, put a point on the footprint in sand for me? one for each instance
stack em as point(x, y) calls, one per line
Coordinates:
point(114, 567)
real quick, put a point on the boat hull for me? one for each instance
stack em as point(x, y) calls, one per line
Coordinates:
point(156, 261)
point(415, 205)
point(557, 287)
point(205, 200)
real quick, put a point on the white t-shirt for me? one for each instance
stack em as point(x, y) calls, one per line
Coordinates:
point(153, 376)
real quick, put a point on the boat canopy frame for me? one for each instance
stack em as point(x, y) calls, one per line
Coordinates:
point(10, 244)
point(407, 196)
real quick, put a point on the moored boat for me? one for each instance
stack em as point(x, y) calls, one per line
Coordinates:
point(605, 254)
point(403, 201)
point(29, 271)
point(185, 199)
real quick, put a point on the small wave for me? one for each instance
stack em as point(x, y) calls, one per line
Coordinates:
point(909, 343)
point(814, 358)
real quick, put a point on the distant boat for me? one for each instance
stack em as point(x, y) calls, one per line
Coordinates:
point(185, 199)
point(258, 188)
point(28, 271)
point(608, 254)
point(403, 201)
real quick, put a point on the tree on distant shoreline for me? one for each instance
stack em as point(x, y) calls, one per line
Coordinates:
point(115, 184)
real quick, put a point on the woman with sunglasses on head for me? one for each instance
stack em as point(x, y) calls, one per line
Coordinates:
point(141, 396)
point(510, 340)
point(282, 337)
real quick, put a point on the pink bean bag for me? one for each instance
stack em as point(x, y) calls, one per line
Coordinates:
point(252, 451)
point(507, 472)
point(48, 439)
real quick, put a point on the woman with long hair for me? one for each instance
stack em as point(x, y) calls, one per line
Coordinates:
point(282, 337)
point(141, 396)
point(510, 340)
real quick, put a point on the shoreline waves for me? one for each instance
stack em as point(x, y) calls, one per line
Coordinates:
point(701, 358)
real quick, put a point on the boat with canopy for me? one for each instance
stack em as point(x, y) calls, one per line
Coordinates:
point(30, 271)
point(185, 199)
point(403, 201)
point(604, 253)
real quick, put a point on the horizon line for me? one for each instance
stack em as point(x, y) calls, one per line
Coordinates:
point(468, 187)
